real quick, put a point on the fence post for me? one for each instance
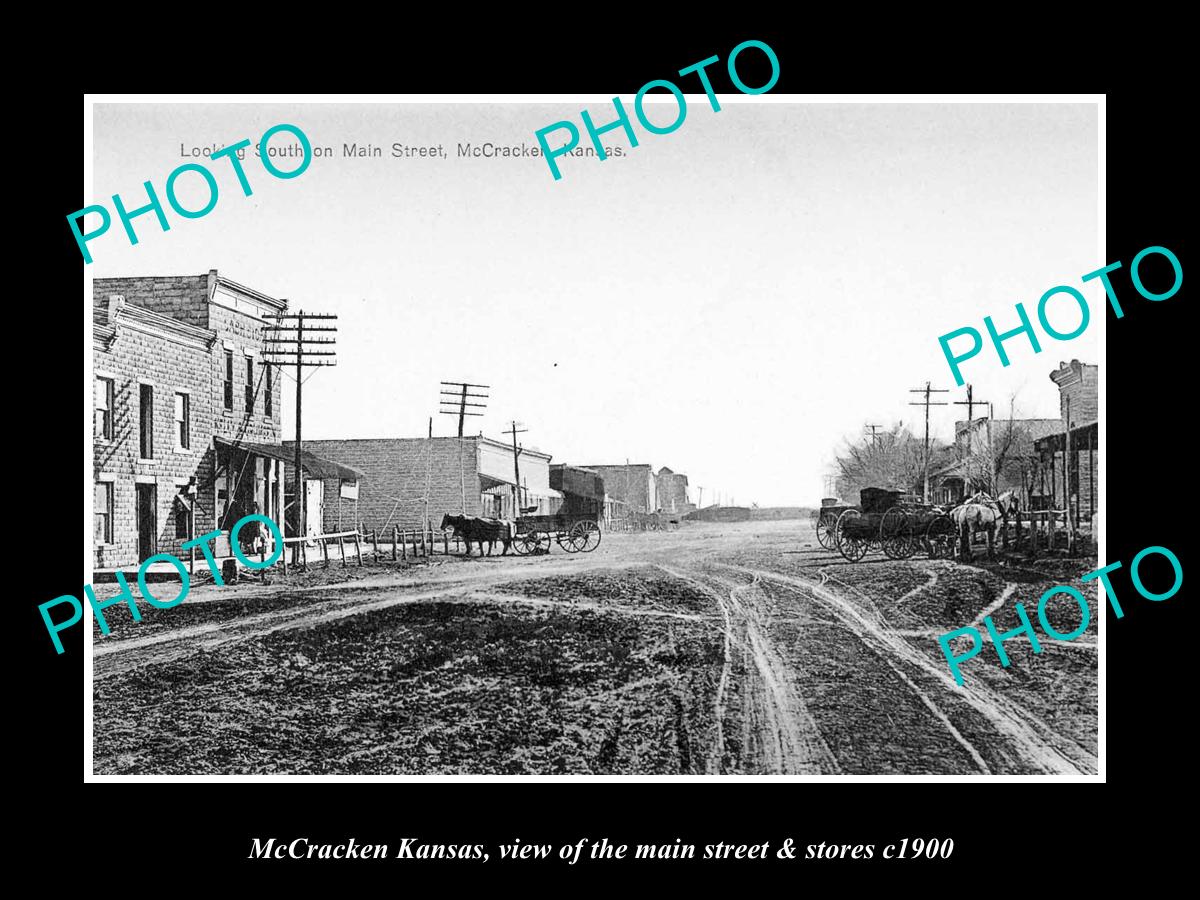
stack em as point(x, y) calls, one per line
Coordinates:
point(395, 540)
point(375, 541)
point(304, 553)
point(403, 545)
point(262, 558)
point(325, 550)
point(424, 550)
point(342, 548)
point(283, 556)
point(445, 543)
point(358, 548)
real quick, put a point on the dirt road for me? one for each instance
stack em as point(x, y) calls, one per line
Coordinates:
point(741, 648)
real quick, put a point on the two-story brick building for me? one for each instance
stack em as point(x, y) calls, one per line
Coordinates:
point(186, 417)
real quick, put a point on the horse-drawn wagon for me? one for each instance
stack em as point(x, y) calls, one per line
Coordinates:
point(888, 521)
point(575, 534)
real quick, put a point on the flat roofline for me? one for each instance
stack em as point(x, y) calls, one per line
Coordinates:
point(439, 437)
point(249, 292)
point(616, 466)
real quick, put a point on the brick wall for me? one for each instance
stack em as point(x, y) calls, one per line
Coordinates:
point(242, 331)
point(395, 469)
point(182, 297)
point(1082, 391)
point(633, 485)
point(672, 491)
point(186, 298)
point(169, 366)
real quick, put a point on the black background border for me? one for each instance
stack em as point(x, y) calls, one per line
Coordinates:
point(1000, 827)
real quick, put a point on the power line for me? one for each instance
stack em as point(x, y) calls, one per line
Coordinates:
point(516, 467)
point(927, 390)
point(288, 344)
point(970, 403)
point(458, 406)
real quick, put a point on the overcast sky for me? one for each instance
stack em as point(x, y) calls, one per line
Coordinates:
point(732, 300)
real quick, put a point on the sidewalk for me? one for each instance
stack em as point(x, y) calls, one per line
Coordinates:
point(165, 571)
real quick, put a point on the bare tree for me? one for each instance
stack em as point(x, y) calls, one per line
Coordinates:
point(1005, 462)
point(892, 459)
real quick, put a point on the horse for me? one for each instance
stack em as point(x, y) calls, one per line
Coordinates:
point(981, 513)
point(473, 529)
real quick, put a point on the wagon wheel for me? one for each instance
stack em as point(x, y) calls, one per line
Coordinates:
point(584, 537)
point(852, 541)
point(824, 528)
point(940, 538)
point(895, 534)
point(532, 542)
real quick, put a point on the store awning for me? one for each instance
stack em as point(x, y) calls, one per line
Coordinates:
point(1083, 438)
point(488, 482)
point(314, 466)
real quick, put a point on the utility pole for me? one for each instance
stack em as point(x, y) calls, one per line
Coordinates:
point(970, 403)
point(514, 431)
point(462, 390)
point(287, 344)
point(927, 391)
point(874, 432)
point(1067, 466)
point(458, 406)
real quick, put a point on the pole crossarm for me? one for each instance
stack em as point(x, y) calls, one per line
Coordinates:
point(293, 328)
point(458, 407)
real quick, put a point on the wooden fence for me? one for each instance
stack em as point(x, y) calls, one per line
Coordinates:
point(397, 543)
point(1042, 530)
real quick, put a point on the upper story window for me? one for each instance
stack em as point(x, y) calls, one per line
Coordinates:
point(146, 420)
point(183, 422)
point(249, 384)
point(229, 379)
point(104, 408)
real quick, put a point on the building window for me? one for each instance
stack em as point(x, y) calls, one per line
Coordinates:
point(229, 379)
point(104, 408)
point(146, 396)
point(183, 422)
point(182, 517)
point(267, 386)
point(102, 512)
point(249, 385)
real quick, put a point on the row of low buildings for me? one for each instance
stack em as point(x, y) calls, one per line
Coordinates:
point(188, 439)
point(1049, 463)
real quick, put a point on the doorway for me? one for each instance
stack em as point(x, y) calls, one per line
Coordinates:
point(147, 520)
point(314, 507)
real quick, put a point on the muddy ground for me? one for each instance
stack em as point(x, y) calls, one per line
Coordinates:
point(720, 648)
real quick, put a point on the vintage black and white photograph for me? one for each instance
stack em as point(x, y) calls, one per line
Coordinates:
point(657, 468)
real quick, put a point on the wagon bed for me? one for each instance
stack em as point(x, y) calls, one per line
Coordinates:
point(888, 521)
point(574, 533)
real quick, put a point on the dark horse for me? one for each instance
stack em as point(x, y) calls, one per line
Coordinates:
point(472, 529)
